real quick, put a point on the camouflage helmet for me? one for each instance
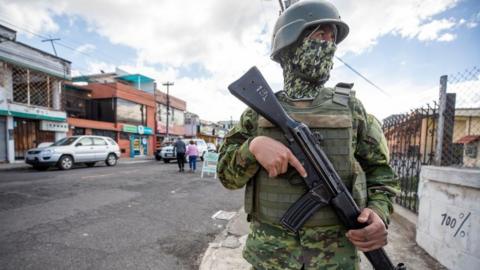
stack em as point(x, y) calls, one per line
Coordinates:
point(300, 16)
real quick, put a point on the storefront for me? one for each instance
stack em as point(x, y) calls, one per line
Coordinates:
point(139, 140)
point(27, 127)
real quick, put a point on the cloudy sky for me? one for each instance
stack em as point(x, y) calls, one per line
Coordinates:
point(403, 46)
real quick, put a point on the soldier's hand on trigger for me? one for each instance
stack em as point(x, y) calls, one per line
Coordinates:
point(373, 236)
point(274, 156)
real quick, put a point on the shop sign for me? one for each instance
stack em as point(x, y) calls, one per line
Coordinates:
point(129, 128)
point(147, 131)
point(137, 129)
point(53, 126)
point(18, 110)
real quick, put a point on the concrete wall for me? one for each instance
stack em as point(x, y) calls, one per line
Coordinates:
point(449, 216)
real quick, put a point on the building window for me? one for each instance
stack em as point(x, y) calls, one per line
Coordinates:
point(131, 112)
point(77, 103)
point(106, 133)
point(471, 150)
point(176, 117)
point(102, 110)
point(32, 87)
point(78, 131)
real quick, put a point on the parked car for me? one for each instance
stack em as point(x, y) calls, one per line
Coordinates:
point(211, 147)
point(167, 154)
point(75, 149)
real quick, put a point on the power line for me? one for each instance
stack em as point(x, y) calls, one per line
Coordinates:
point(62, 44)
point(363, 77)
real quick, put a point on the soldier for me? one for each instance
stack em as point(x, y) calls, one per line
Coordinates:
point(254, 153)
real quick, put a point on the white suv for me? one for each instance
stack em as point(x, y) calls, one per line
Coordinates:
point(168, 154)
point(76, 149)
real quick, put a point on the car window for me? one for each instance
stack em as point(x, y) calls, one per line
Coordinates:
point(65, 141)
point(99, 141)
point(112, 142)
point(85, 142)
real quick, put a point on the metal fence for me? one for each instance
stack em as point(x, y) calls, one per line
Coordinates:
point(444, 133)
point(36, 88)
point(465, 127)
point(411, 141)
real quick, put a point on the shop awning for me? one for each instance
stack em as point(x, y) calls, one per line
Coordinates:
point(468, 139)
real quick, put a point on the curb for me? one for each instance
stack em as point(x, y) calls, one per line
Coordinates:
point(228, 244)
point(14, 167)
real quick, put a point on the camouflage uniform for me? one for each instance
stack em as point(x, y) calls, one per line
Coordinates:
point(306, 67)
point(270, 246)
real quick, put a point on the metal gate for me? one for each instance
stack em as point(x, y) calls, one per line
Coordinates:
point(411, 141)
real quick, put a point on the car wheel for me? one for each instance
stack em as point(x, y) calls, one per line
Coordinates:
point(90, 164)
point(111, 160)
point(65, 163)
point(166, 160)
point(40, 167)
point(203, 154)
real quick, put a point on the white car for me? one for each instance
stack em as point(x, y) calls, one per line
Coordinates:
point(76, 149)
point(168, 154)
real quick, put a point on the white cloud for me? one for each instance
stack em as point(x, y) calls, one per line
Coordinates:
point(447, 37)
point(33, 17)
point(86, 48)
point(226, 37)
point(431, 30)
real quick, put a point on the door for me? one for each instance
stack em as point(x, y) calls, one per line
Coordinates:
point(24, 135)
point(101, 148)
point(3, 140)
point(136, 145)
point(84, 151)
point(27, 135)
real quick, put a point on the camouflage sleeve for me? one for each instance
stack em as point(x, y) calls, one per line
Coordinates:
point(236, 164)
point(372, 154)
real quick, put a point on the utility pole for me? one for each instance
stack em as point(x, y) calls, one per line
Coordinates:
point(53, 45)
point(281, 6)
point(167, 84)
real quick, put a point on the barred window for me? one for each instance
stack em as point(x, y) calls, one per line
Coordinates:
point(32, 87)
point(20, 85)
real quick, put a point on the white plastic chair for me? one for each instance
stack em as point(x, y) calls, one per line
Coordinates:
point(210, 161)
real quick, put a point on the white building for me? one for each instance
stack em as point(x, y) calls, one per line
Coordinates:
point(31, 103)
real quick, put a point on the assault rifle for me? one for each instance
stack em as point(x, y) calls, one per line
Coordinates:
point(325, 187)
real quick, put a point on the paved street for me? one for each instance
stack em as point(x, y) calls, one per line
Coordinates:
point(141, 215)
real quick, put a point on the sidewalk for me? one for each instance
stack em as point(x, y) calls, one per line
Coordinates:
point(225, 253)
point(21, 165)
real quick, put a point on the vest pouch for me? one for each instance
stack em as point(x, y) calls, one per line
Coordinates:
point(249, 197)
point(359, 186)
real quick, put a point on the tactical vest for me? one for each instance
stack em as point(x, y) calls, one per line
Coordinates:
point(329, 117)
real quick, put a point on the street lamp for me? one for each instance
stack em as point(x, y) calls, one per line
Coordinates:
point(167, 84)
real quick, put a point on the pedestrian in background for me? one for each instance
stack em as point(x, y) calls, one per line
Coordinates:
point(192, 153)
point(179, 149)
